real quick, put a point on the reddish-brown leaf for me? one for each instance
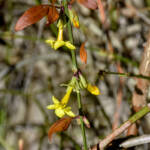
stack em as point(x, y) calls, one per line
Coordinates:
point(31, 16)
point(83, 53)
point(59, 125)
point(101, 10)
point(91, 4)
point(53, 15)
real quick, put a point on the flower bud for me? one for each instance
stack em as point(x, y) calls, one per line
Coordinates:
point(69, 45)
point(83, 81)
point(93, 89)
point(73, 17)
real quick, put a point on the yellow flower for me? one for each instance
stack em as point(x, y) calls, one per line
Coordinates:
point(93, 89)
point(59, 42)
point(60, 106)
point(73, 17)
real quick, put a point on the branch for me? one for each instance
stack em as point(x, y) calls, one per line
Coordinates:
point(102, 144)
point(103, 73)
point(136, 141)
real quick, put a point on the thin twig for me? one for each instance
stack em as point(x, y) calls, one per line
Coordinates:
point(136, 141)
point(103, 72)
point(102, 144)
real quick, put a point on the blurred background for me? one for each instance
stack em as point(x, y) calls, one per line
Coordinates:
point(31, 72)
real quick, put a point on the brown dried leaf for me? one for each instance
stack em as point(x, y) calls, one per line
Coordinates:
point(59, 125)
point(31, 16)
point(53, 15)
point(83, 53)
point(91, 4)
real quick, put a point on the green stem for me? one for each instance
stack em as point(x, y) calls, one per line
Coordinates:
point(103, 72)
point(75, 68)
point(139, 114)
point(81, 120)
point(74, 61)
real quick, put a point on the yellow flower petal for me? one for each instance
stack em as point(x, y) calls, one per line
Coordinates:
point(58, 44)
point(55, 100)
point(65, 99)
point(51, 107)
point(93, 89)
point(76, 23)
point(60, 113)
point(70, 113)
point(73, 17)
point(51, 42)
point(69, 45)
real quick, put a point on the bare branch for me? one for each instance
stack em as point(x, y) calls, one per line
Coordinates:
point(136, 141)
point(102, 144)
